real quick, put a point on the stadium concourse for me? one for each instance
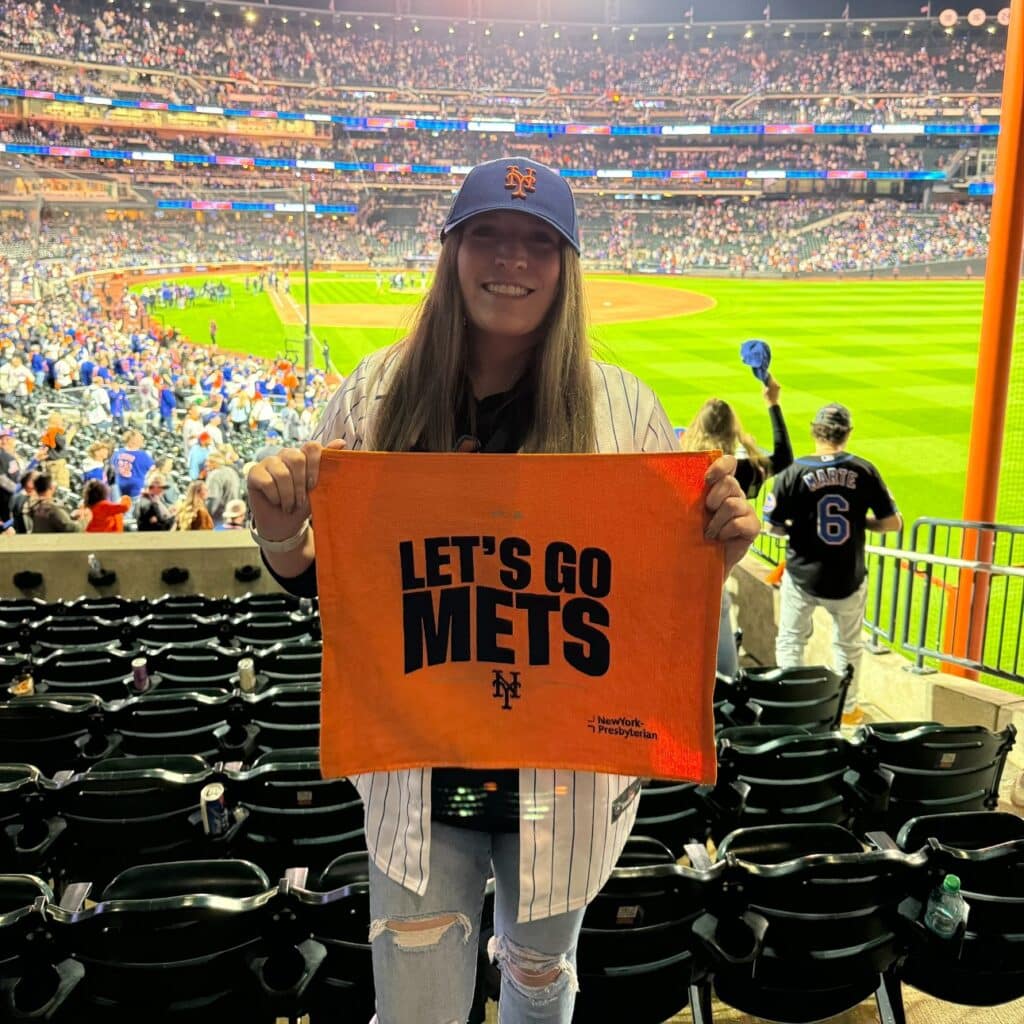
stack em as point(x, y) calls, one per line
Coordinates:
point(155, 159)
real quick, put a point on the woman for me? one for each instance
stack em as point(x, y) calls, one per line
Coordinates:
point(498, 361)
point(717, 426)
point(105, 516)
point(193, 514)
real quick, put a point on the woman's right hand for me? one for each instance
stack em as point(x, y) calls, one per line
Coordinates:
point(771, 391)
point(279, 488)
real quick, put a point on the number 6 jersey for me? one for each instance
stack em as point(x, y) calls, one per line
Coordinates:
point(823, 502)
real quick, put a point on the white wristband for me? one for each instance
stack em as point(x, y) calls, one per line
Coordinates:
point(296, 540)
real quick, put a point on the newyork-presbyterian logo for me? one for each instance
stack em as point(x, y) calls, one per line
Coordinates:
point(519, 181)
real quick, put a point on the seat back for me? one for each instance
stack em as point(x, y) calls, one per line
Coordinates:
point(832, 910)
point(205, 666)
point(79, 631)
point(810, 696)
point(287, 715)
point(674, 813)
point(52, 734)
point(797, 777)
point(176, 722)
point(162, 628)
point(265, 629)
point(102, 671)
point(291, 663)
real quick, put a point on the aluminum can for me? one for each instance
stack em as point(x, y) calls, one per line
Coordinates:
point(140, 675)
point(213, 809)
point(246, 675)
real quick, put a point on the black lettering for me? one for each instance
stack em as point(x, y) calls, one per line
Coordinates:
point(513, 552)
point(560, 568)
point(490, 625)
point(449, 631)
point(410, 581)
point(595, 572)
point(539, 608)
point(592, 657)
point(467, 569)
point(436, 561)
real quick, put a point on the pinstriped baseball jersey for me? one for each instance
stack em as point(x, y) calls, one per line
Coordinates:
point(572, 825)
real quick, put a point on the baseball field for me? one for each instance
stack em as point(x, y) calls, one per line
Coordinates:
point(902, 355)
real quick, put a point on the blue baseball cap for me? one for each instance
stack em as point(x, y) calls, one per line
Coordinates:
point(521, 185)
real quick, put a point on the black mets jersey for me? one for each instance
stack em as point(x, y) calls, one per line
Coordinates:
point(823, 502)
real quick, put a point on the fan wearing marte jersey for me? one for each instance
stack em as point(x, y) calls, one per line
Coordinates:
point(825, 503)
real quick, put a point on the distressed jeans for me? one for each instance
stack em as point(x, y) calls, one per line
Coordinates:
point(427, 975)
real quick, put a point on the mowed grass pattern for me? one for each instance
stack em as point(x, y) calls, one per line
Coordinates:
point(902, 355)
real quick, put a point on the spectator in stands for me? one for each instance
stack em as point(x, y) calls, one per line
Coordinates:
point(56, 439)
point(10, 471)
point(193, 514)
point(168, 404)
point(718, 426)
point(96, 466)
point(154, 511)
point(97, 404)
point(23, 501)
point(505, 317)
point(15, 378)
point(191, 427)
point(272, 447)
point(120, 404)
point(49, 516)
point(105, 516)
point(214, 430)
point(166, 469)
point(131, 464)
point(240, 410)
point(223, 485)
point(197, 456)
point(262, 413)
point(234, 516)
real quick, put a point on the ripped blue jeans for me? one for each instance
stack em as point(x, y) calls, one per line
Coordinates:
point(425, 947)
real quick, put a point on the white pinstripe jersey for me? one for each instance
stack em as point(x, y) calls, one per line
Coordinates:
point(571, 829)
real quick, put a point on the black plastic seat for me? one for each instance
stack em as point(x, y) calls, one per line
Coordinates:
point(29, 831)
point(983, 966)
point(265, 629)
point(294, 817)
point(55, 734)
point(211, 725)
point(185, 604)
point(15, 610)
point(102, 671)
point(832, 913)
point(287, 716)
point(674, 813)
point(811, 696)
point(132, 811)
point(161, 628)
point(790, 775)
point(905, 771)
point(68, 632)
point(291, 663)
point(111, 608)
point(13, 664)
point(263, 603)
point(206, 941)
point(35, 978)
point(200, 666)
point(643, 852)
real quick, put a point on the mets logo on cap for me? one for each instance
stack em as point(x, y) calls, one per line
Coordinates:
point(520, 182)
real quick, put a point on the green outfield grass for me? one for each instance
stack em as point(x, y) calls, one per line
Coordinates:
point(901, 355)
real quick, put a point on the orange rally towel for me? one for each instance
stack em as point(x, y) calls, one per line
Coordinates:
point(500, 611)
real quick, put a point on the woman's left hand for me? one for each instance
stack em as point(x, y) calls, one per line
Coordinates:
point(733, 519)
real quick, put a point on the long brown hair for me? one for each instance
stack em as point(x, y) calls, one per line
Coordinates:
point(430, 382)
point(718, 426)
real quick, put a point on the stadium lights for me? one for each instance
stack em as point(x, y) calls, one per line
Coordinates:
point(595, 36)
point(949, 30)
point(451, 30)
point(828, 30)
point(284, 19)
point(632, 37)
point(216, 13)
point(487, 31)
point(866, 32)
point(250, 16)
point(991, 30)
point(671, 34)
point(415, 28)
point(348, 24)
point(146, 6)
point(749, 34)
point(558, 35)
point(316, 22)
point(908, 31)
point(787, 33)
point(711, 33)
point(521, 32)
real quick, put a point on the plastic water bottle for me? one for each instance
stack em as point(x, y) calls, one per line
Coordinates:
point(946, 908)
point(95, 569)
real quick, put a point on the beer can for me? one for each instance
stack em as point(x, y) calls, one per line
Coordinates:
point(22, 687)
point(246, 675)
point(140, 675)
point(213, 809)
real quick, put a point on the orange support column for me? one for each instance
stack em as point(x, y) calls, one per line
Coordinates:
point(1002, 280)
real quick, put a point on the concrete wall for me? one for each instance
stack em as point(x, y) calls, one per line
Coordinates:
point(138, 559)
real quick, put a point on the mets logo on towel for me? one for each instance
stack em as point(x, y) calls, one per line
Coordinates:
point(519, 181)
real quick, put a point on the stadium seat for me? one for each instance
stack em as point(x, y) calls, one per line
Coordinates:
point(128, 811)
point(294, 816)
point(103, 671)
point(644, 851)
point(904, 770)
point(79, 632)
point(833, 923)
point(635, 956)
point(187, 604)
point(808, 696)
point(207, 941)
point(290, 663)
point(274, 604)
point(791, 775)
point(211, 725)
point(983, 965)
point(287, 716)
point(203, 666)
point(55, 734)
point(111, 608)
point(265, 629)
point(28, 831)
point(35, 978)
point(162, 628)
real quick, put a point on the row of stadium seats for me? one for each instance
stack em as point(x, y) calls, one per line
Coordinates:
point(787, 923)
point(131, 774)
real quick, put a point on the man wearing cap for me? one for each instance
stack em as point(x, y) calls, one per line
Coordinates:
point(197, 456)
point(234, 516)
point(824, 502)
